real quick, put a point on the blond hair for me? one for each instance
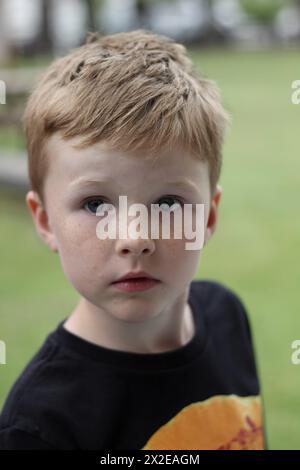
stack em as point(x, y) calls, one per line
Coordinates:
point(137, 90)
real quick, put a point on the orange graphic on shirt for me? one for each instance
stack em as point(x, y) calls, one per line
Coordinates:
point(218, 423)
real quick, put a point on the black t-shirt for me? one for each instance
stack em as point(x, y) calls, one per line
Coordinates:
point(74, 394)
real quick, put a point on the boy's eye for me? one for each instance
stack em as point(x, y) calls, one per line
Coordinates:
point(169, 200)
point(93, 204)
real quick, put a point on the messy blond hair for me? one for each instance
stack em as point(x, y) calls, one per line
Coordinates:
point(137, 90)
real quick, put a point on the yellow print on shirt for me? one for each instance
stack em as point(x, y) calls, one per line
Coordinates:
point(222, 422)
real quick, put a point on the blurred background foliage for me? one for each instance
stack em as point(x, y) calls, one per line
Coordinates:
point(262, 11)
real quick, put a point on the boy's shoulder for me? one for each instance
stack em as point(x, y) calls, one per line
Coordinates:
point(212, 290)
point(218, 301)
point(19, 418)
point(224, 315)
point(48, 390)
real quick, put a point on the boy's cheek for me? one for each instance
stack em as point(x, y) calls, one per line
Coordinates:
point(48, 237)
point(85, 276)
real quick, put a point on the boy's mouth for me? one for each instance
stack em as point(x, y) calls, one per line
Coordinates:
point(136, 281)
point(136, 284)
point(138, 275)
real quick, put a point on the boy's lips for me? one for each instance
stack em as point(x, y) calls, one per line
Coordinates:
point(136, 281)
point(136, 275)
point(136, 284)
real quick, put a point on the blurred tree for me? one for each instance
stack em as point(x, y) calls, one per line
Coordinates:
point(8, 49)
point(213, 34)
point(4, 46)
point(92, 8)
point(297, 5)
point(44, 42)
point(263, 12)
point(142, 13)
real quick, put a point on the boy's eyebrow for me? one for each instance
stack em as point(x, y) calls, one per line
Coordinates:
point(183, 183)
point(83, 182)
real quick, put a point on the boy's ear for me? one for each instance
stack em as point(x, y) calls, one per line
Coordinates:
point(41, 221)
point(213, 214)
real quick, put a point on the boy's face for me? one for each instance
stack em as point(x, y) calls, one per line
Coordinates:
point(68, 222)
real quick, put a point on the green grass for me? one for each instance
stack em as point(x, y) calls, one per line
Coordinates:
point(11, 139)
point(254, 250)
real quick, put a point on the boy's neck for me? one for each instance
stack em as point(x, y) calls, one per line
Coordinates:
point(168, 331)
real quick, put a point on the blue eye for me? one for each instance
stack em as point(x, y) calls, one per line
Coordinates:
point(92, 207)
point(171, 198)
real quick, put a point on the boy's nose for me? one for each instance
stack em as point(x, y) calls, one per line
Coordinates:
point(137, 247)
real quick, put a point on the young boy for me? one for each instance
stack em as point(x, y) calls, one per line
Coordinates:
point(163, 361)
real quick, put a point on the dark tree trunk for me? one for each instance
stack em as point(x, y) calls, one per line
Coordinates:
point(142, 11)
point(45, 41)
point(297, 3)
point(92, 23)
point(213, 35)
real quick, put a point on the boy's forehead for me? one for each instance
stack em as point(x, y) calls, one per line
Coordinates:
point(99, 161)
